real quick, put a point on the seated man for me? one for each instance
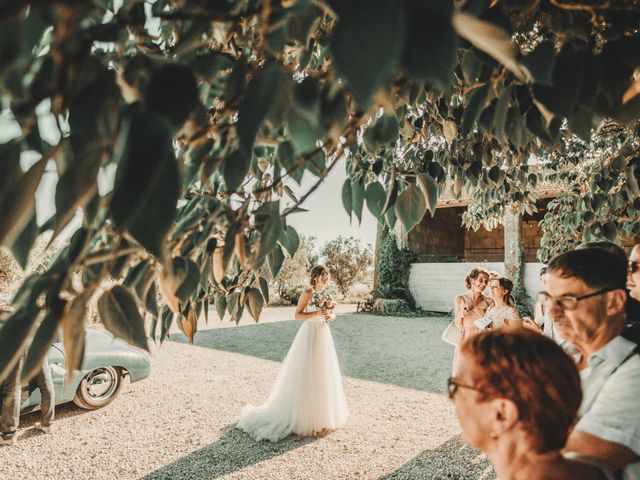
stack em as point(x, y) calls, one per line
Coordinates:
point(585, 293)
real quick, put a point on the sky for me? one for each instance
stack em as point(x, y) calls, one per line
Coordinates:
point(327, 218)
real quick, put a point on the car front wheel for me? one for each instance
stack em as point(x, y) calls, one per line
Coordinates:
point(99, 387)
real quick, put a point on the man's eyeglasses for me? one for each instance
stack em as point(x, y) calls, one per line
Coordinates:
point(632, 266)
point(453, 385)
point(568, 302)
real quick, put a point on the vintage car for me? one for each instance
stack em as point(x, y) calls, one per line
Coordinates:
point(106, 362)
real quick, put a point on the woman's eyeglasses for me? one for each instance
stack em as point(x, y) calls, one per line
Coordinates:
point(632, 266)
point(453, 385)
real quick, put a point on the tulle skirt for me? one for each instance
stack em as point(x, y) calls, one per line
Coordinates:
point(307, 396)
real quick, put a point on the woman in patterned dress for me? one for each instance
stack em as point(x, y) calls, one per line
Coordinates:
point(503, 313)
point(471, 306)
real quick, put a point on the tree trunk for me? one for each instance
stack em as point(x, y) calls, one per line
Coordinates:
point(514, 255)
point(381, 232)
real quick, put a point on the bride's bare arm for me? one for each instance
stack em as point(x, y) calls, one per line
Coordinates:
point(303, 301)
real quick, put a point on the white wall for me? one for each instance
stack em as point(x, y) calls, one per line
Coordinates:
point(435, 285)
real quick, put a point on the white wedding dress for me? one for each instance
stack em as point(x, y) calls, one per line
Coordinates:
point(307, 396)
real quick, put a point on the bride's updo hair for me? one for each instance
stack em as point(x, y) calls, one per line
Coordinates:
point(316, 272)
point(475, 273)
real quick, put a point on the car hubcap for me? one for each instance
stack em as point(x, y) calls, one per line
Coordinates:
point(101, 383)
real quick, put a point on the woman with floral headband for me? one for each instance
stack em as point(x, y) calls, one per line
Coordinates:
point(307, 398)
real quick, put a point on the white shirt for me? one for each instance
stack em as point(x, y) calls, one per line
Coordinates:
point(610, 406)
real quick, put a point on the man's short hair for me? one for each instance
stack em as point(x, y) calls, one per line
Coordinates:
point(604, 245)
point(597, 267)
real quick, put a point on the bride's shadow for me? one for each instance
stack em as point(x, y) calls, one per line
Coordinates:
point(233, 451)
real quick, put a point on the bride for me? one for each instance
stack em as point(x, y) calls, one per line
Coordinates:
point(307, 397)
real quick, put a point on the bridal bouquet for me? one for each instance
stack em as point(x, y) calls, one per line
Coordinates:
point(324, 300)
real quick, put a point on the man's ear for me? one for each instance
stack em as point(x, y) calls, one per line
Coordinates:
point(616, 302)
point(506, 415)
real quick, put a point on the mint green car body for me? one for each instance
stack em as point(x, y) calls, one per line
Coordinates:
point(107, 360)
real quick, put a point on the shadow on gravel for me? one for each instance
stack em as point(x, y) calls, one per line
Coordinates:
point(451, 460)
point(235, 450)
point(406, 352)
point(64, 410)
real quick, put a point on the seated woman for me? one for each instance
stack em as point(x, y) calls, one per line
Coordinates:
point(471, 306)
point(503, 313)
point(516, 398)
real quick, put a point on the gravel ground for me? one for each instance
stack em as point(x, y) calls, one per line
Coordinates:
point(178, 423)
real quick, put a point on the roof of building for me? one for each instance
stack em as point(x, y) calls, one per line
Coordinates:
point(447, 199)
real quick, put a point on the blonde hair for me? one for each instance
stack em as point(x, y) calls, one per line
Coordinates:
point(317, 271)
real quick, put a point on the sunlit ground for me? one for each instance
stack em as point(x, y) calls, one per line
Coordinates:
point(178, 423)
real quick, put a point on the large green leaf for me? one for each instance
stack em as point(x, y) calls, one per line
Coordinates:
point(539, 63)
point(566, 82)
point(385, 129)
point(73, 325)
point(172, 93)
point(43, 338)
point(190, 278)
point(19, 203)
point(475, 104)
point(166, 319)
point(294, 240)
point(235, 169)
point(430, 47)
point(363, 56)
point(376, 197)
point(347, 201)
point(275, 259)
point(410, 207)
point(269, 224)
point(9, 40)
point(147, 183)
point(429, 190)
point(500, 115)
point(357, 198)
point(255, 303)
point(491, 38)
point(9, 166)
point(260, 100)
point(304, 122)
point(119, 313)
point(14, 335)
point(264, 288)
point(25, 241)
point(221, 305)
point(391, 218)
point(93, 120)
point(286, 155)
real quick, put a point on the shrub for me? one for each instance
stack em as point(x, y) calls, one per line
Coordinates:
point(391, 306)
point(393, 268)
point(291, 293)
